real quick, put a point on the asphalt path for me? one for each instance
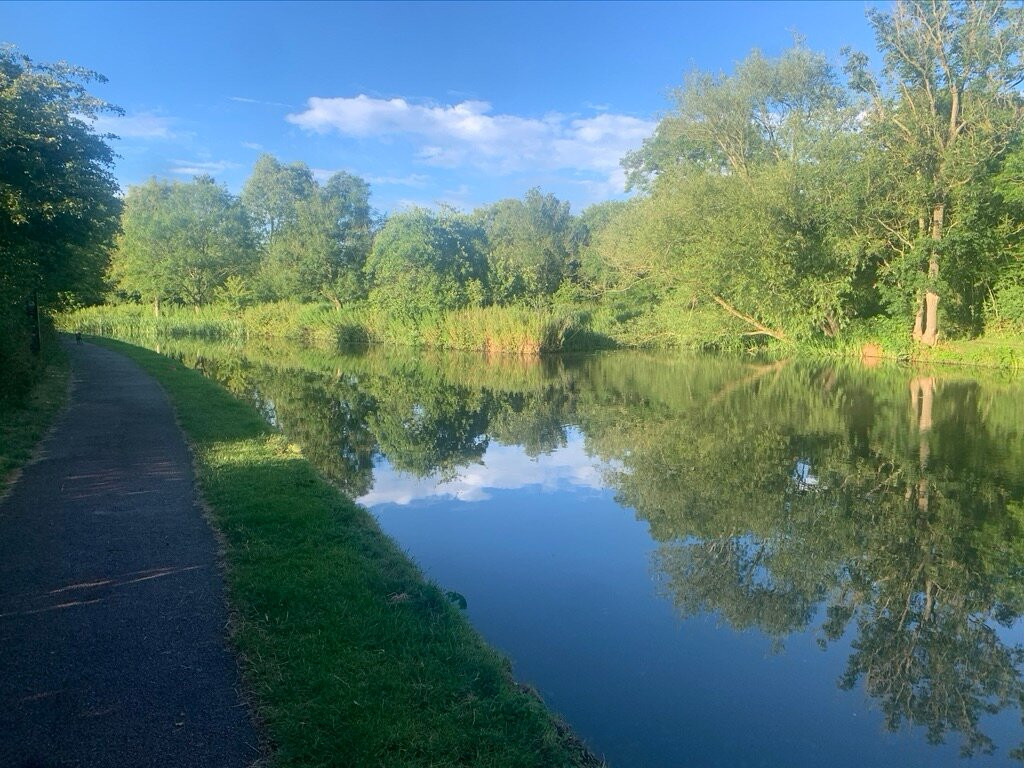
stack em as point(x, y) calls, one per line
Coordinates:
point(113, 638)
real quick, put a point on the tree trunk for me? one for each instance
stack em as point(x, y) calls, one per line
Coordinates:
point(931, 297)
point(919, 320)
point(156, 307)
point(762, 330)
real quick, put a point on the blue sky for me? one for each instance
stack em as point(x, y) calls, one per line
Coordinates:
point(458, 103)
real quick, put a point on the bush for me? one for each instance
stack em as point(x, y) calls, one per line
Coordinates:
point(1005, 309)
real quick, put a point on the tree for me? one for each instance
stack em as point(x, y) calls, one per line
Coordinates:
point(528, 246)
point(320, 239)
point(58, 198)
point(942, 110)
point(423, 263)
point(769, 110)
point(1004, 308)
point(744, 231)
point(181, 241)
point(272, 193)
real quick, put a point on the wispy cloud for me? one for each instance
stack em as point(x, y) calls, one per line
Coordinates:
point(253, 146)
point(417, 180)
point(244, 100)
point(201, 167)
point(470, 134)
point(140, 125)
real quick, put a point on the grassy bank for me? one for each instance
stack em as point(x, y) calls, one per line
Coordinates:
point(352, 657)
point(25, 418)
point(509, 330)
point(517, 330)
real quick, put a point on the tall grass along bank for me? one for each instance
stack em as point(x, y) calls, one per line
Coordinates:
point(513, 330)
point(352, 657)
point(501, 330)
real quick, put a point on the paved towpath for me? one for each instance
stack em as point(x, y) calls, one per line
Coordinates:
point(113, 648)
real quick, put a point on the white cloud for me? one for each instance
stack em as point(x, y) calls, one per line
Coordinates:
point(468, 133)
point(252, 145)
point(141, 125)
point(504, 467)
point(201, 167)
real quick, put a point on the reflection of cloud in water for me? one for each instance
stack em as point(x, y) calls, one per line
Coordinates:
point(504, 467)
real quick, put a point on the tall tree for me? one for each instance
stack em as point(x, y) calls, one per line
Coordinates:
point(348, 197)
point(273, 191)
point(320, 250)
point(943, 108)
point(181, 241)
point(58, 200)
point(743, 231)
point(58, 197)
point(528, 250)
point(422, 263)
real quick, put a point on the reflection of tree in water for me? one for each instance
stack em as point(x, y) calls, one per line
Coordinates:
point(784, 498)
point(901, 524)
point(535, 421)
point(346, 410)
point(323, 412)
point(328, 419)
point(428, 429)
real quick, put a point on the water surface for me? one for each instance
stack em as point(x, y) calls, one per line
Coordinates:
point(699, 561)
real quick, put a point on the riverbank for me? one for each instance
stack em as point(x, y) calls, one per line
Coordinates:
point(24, 421)
point(512, 330)
point(353, 658)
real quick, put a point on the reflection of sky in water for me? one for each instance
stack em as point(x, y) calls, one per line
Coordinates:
point(504, 467)
point(563, 579)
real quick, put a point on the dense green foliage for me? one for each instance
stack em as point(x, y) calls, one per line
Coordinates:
point(784, 203)
point(354, 658)
point(423, 263)
point(58, 203)
point(530, 248)
point(801, 205)
point(180, 242)
point(315, 239)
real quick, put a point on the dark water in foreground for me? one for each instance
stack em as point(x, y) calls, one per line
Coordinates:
point(699, 561)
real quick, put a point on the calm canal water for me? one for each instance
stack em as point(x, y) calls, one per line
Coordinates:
point(698, 561)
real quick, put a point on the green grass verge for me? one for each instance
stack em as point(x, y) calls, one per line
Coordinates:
point(23, 423)
point(352, 657)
